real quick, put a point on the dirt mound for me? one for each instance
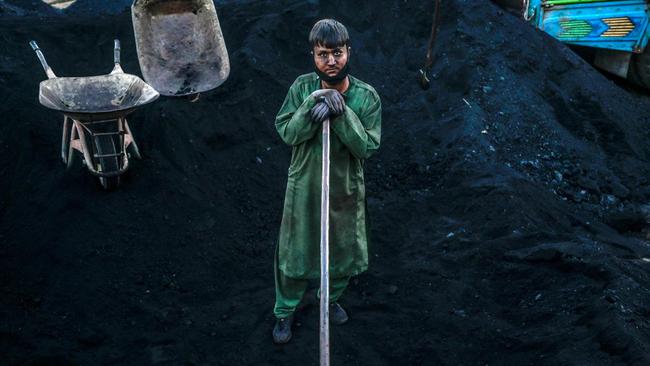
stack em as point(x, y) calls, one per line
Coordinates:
point(509, 203)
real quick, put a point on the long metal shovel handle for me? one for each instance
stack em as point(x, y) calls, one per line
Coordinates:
point(324, 250)
point(41, 57)
point(423, 73)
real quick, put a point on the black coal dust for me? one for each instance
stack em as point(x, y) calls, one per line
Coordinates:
point(509, 203)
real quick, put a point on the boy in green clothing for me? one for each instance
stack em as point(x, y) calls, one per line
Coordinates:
point(354, 110)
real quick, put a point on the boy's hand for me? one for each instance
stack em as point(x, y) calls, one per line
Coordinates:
point(332, 98)
point(320, 112)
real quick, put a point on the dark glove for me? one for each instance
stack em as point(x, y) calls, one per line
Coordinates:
point(320, 112)
point(332, 98)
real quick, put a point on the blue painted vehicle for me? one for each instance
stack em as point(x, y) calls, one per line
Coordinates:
point(617, 30)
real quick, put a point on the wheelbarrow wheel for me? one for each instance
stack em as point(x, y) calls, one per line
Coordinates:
point(105, 145)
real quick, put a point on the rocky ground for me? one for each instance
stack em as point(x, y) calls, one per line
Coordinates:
point(509, 203)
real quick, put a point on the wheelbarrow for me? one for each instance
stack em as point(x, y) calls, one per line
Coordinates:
point(94, 122)
point(180, 46)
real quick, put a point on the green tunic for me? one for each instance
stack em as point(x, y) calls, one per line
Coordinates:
point(355, 136)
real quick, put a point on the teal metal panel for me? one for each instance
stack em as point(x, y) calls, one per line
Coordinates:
point(618, 25)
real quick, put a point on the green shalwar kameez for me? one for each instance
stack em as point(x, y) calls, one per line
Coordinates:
point(355, 136)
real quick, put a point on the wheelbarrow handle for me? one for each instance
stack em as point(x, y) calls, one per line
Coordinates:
point(41, 57)
point(116, 52)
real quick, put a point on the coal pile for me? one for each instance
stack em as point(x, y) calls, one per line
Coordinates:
point(509, 203)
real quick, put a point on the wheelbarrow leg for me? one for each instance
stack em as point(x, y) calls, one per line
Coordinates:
point(65, 140)
point(83, 144)
point(130, 141)
point(72, 142)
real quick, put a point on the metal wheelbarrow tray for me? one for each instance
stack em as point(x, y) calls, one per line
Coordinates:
point(95, 97)
point(180, 45)
point(95, 108)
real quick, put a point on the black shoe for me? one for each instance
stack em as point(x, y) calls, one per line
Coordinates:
point(338, 316)
point(282, 330)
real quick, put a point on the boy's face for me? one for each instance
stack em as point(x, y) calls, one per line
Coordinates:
point(330, 61)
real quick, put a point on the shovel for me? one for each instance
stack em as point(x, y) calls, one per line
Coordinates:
point(325, 250)
point(180, 46)
point(423, 73)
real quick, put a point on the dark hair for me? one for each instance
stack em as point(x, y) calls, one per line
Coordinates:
point(329, 33)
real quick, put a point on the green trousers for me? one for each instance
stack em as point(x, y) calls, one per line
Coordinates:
point(289, 291)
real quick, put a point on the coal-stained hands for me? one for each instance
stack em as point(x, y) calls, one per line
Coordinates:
point(330, 103)
point(320, 112)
